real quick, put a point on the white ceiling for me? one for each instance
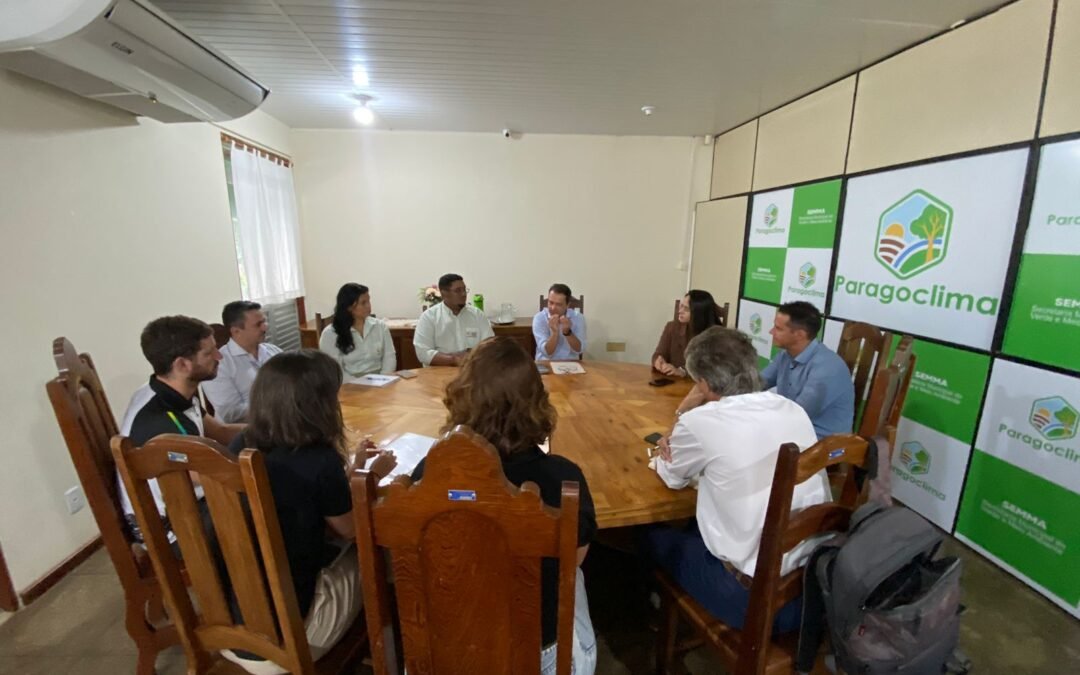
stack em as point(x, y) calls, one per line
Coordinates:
point(556, 66)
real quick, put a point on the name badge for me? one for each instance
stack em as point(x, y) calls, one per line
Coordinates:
point(461, 495)
point(471, 333)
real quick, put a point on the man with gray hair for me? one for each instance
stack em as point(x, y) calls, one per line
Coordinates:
point(728, 435)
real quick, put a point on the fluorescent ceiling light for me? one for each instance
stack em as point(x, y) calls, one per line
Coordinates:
point(360, 76)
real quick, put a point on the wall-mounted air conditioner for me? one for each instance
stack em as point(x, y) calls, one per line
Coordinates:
point(128, 54)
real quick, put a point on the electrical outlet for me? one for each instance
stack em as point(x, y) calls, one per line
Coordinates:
point(616, 346)
point(75, 499)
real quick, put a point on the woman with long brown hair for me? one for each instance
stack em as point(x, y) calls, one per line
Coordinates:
point(500, 396)
point(697, 313)
point(295, 420)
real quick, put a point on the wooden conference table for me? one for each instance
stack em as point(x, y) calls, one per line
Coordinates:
point(604, 414)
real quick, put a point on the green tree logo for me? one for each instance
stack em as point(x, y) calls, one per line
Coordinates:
point(772, 214)
point(1054, 418)
point(807, 275)
point(915, 458)
point(913, 234)
point(755, 324)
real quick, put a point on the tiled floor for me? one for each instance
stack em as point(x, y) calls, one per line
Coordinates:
point(77, 627)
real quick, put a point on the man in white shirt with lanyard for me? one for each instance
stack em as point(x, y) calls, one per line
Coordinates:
point(446, 332)
point(728, 434)
point(241, 358)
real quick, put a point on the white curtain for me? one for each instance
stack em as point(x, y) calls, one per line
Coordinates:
point(267, 229)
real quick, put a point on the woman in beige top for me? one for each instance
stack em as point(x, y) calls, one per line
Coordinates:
point(360, 343)
point(697, 312)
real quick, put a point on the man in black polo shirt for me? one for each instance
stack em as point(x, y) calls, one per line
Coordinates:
point(182, 352)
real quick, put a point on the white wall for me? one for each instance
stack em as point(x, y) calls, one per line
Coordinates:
point(105, 223)
point(606, 215)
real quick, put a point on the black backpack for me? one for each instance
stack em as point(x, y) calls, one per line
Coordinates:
point(890, 605)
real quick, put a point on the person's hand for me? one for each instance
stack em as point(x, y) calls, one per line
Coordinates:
point(694, 398)
point(553, 323)
point(664, 446)
point(659, 363)
point(564, 324)
point(669, 369)
point(367, 446)
point(383, 463)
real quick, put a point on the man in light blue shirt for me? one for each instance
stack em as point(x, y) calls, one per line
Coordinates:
point(559, 331)
point(808, 372)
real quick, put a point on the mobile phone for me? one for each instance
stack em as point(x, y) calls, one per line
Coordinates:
point(653, 439)
point(660, 382)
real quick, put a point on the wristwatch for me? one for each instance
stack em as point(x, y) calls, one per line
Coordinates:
point(568, 333)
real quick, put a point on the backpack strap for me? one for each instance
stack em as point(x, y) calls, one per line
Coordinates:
point(812, 623)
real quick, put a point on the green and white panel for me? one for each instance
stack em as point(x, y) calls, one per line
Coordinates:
point(789, 250)
point(756, 319)
point(1023, 488)
point(832, 330)
point(925, 249)
point(1044, 322)
point(937, 426)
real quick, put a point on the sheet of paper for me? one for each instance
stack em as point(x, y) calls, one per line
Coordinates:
point(566, 368)
point(372, 380)
point(409, 450)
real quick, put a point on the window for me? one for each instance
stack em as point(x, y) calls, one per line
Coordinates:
point(266, 229)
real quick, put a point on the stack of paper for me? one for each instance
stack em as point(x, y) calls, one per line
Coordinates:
point(372, 380)
point(567, 368)
point(409, 450)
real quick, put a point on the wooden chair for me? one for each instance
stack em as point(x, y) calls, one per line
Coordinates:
point(753, 651)
point(466, 571)
point(888, 392)
point(221, 334)
point(577, 303)
point(861, 347)
point(321, 323)
point(722, 312)
point(244, 518)
point(87, 423)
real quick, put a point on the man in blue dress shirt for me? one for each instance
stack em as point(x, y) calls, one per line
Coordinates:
point(808, 372)
point(559, 331)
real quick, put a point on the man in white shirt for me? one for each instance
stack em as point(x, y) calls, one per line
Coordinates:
point(241, 358)
point(446, 332)
point(728, 434)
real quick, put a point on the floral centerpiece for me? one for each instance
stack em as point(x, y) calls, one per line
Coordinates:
point(429, 296)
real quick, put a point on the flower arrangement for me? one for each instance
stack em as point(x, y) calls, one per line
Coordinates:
point(429, 295)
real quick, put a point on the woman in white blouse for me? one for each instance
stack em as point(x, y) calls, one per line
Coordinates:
point(359, 342)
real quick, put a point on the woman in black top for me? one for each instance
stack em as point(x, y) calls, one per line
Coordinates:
point(295, 420)
point(500, 395)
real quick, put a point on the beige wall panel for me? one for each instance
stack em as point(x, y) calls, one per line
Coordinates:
point(733, 160)
point(719, 232)
point(805, 139)
point(394, 210)
point(107, 222)
point(1061, 113)
point(972, 88)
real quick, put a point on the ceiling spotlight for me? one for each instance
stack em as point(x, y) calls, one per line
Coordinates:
point(360, 76)
point(363, 114)
point(648, 110)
